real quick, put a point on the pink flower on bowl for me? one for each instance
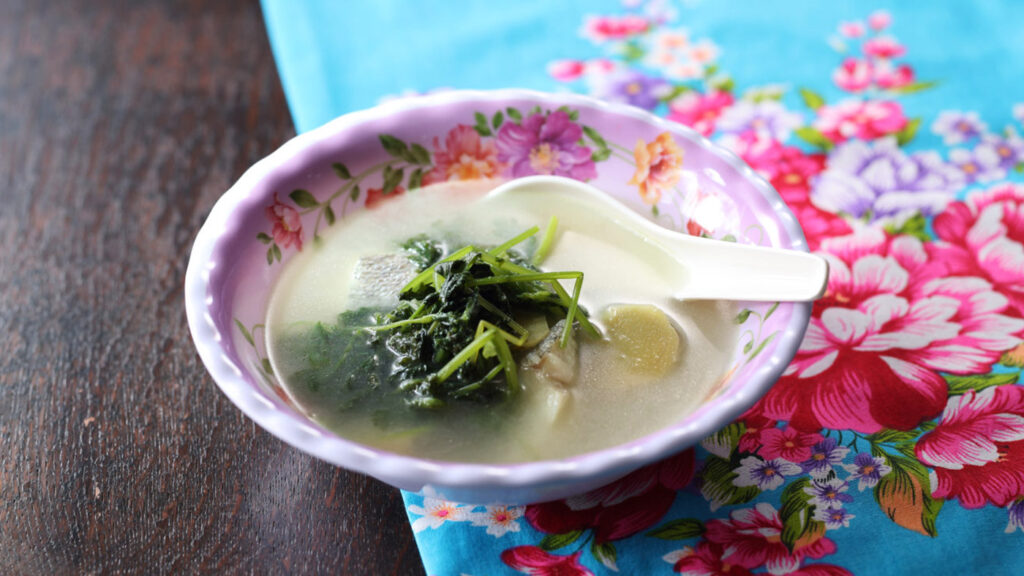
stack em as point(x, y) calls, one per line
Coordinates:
point(659, 166)
point(984, 236)
point(888, 324)
point(545, 144)
point(977, 450)
point(853, 75)
point(287, 225)
point(464, 156)
point(604, 28)
point(699, 111)
point(374, 196)
point(863, 119)
point(884, 47)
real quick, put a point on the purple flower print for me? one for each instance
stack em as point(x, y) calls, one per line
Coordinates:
point(957, 127)
point(833, 518)
point(767, 117)
point(824, 455)
point(867, 470)
point(1016, 513)
point(1008, 152)
point(769, 475)
point(545, 144)
point(879, 182)
point(830, 494)
point(634, 88)
point(979, 165)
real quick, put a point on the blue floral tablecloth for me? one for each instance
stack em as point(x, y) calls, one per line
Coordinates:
point(894, 443)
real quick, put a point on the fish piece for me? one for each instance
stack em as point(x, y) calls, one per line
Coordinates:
point(379, 278)
point(553, 364)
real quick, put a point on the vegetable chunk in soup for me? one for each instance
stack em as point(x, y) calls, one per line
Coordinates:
point(449, 325)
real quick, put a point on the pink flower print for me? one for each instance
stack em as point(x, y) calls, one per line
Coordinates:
point(623, 508)
point(699, 111)
point(756, 422)
point(977, 450)
point(851, 29)
point(787, 443)
point(853, 75)
point(884, 47)
point(464, 156)
point(879, 20)
point(534, 560)
point(889, 322)
point(545, 144)
point(566, 70)
point(889, 77)
point(863, 119)
point(287, 224)
point(604, 28)
point(751, 538)
point(705, 560)
point(984, 236)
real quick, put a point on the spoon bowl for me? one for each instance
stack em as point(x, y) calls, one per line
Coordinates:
point(697, 268)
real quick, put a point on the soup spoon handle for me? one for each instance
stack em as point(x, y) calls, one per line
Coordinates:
point(699, 268)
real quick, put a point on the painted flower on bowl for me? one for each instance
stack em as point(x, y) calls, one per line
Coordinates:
point(534, 560)
point(699, 111)
point(287, 225)
point(620, 509)
point(463, 156)
point(853, 75)
point(888, 324)
point(862, 119)
point(879, 182)
point(374, 196)
point(751, 537)
point(545, 144)
point(977, 450)
point(768, 116)
point(659, 165)
point(984, 236)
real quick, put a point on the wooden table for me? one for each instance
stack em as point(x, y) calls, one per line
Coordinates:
point(120, 125)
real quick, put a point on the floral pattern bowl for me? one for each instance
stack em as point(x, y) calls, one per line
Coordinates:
point(286, 202)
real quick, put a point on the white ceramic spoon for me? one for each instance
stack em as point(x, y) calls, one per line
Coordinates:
point(701, 269)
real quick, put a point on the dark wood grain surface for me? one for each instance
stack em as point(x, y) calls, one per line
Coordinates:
point(120, 125)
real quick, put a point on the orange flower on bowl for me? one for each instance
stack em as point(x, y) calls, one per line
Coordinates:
point(464, 156)
point(659, 165)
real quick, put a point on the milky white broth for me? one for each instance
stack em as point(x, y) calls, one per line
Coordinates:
point(608, 403)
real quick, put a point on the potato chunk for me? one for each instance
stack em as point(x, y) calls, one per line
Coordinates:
point(644, 337)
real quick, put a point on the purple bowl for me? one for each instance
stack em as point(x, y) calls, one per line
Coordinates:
point(260, 223)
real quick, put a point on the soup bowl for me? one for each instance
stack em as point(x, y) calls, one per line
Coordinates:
point(284, 203)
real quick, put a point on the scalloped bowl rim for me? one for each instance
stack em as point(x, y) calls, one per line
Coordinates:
point(415, 472)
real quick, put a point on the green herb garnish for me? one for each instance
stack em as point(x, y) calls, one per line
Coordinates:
point(453, 337)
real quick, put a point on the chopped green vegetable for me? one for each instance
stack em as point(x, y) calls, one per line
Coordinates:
point(452, 337)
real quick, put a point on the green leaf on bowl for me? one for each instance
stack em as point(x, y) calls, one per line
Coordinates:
point(341, 170)
point(303, 198)
point(497, 120)
point(394, 146)
point(354, 194)
point(419, 154)
point(265, 238)
point(329, 215)
point(514, 114)
point(416, 179)
point(482, 128)
point(245, 333)
point(392, 178)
